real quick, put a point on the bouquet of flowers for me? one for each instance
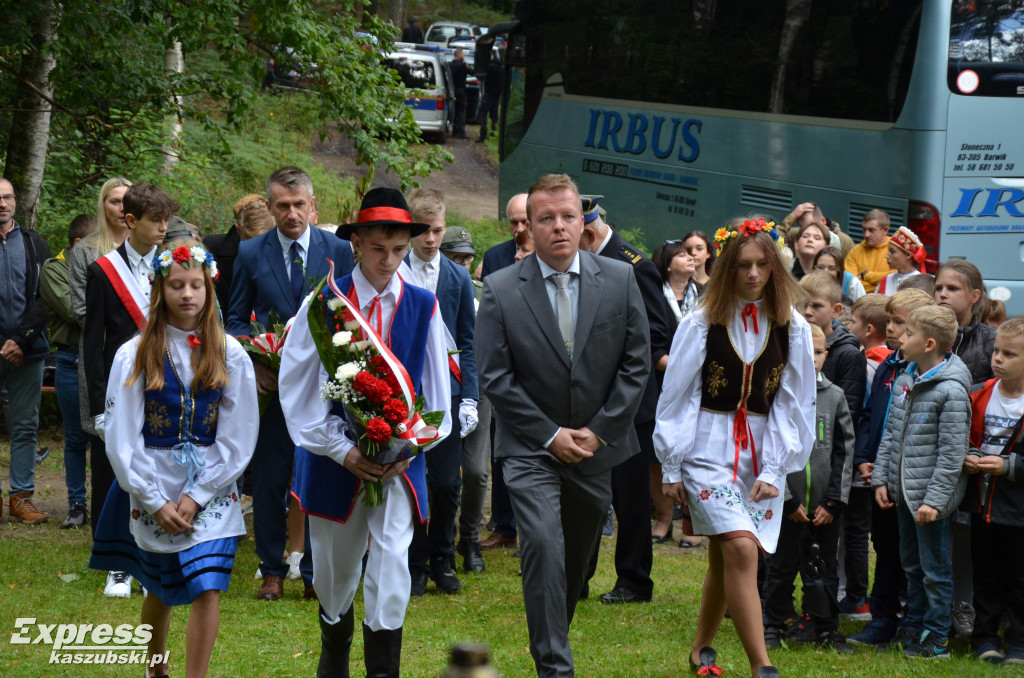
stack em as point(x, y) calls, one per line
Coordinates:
point(265, 347)
point(381, 406)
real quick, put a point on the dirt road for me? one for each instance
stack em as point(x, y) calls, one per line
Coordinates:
point(470, 184)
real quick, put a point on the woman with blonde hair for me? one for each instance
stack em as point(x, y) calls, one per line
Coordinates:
point(111, 231)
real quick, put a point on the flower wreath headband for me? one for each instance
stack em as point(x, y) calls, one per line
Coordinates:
point(187, 257)
point(748, 228)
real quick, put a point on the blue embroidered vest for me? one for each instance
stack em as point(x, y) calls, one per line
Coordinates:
point(324, 487)
point(177, 414)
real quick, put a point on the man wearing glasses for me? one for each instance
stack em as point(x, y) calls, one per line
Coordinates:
point(23, 347)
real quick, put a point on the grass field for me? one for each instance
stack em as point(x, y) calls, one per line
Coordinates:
point(282, 639)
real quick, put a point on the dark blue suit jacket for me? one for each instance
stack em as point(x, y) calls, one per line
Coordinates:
point(498, 257)
point(455, 299)
point(260, 282)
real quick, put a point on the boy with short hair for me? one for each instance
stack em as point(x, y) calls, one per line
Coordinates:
point(845, 366)
point(117, 289)
point(889, 579)
point(868, 325)
point(815, 497)
point(867, 259)
point(453, 287)
point(995, 497)
point(329, 467)
point(919, 471)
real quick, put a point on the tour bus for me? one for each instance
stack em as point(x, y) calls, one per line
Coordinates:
point(684, 114)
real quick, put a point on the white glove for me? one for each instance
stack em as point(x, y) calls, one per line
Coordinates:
point(467, 417)
point(100, 423)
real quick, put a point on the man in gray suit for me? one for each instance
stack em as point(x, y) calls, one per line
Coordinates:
point(563, 354)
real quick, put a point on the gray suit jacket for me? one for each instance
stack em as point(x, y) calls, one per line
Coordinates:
point(525, 371)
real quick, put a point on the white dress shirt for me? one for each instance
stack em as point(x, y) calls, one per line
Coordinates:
point(140, 264)
point(286, 248)
point(426, 272)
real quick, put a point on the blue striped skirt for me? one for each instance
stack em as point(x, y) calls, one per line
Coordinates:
point(174, 578)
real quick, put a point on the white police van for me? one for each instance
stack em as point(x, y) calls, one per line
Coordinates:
point(428, 85)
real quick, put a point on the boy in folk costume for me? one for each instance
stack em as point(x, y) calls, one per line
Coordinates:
point(329, 467)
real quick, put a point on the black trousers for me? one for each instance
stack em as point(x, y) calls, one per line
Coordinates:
point(889, 577)
point(856, 529)
point(501, 505)
point(459, 125)
point(435, 539)
point(102, 476)
point(998, 555)
point(792, 556)
point(631, 499)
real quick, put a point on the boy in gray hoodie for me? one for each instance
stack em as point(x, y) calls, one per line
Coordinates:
point(815, 497)
point(918, 471)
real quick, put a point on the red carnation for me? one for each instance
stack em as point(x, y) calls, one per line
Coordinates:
point(379, 392)
point(395, 410)
point(378, 430)
point(380, 365)
point(181, 254)
point(364, 382)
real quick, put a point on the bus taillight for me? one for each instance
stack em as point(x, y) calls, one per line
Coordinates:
point(924, 220)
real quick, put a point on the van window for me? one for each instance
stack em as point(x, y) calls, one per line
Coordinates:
point(416, 74)
point(986, 49)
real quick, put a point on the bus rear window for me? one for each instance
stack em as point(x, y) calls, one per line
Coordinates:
point(416, 74)
point(986, 48)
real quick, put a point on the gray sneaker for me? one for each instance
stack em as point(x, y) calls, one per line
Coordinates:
point(77, 517)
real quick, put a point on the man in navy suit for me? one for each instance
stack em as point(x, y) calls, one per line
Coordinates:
point(504, 253)
point(453, 288)
point(275, 271)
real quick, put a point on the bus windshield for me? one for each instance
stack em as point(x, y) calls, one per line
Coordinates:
point(986, 48)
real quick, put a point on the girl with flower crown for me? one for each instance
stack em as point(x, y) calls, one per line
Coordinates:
point(736, 415)
point(179, 434)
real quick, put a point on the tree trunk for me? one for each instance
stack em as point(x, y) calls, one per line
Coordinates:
point(173, 63)
point(30, 127)
point(396, 13)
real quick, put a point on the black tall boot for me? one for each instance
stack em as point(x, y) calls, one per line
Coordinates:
point(383, 652)
point(335, 644)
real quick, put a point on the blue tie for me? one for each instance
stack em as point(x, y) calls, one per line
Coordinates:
point(296, 272)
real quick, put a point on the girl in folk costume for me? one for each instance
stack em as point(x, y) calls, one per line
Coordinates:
point(736, 415)
point(906, 255)
point(179, 434)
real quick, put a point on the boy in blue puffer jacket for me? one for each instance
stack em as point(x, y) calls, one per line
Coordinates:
point(919, 470)
point(995, 498)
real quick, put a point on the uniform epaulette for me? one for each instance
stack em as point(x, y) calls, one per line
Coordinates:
point(631, 255)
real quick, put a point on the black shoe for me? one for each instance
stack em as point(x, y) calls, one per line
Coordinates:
point(77, 517)
point(767, 672)
point(42, 454)
point(621, 594)
point(663, 538)
point(419, 585)
point(773, 636)
point(335, 644)
point(708, 657)
point(832, 640)
point(382, 651)
point(472, 559)
point(443, 574)
point(802, 631)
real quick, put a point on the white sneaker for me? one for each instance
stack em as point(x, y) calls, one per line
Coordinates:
point(293, 565)
point(119, 585)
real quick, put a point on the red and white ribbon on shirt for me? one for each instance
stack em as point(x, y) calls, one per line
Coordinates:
point(413, 428)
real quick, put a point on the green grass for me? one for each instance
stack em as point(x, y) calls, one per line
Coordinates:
point(282, 639)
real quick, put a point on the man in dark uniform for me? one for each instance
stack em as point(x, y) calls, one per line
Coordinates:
point(412, 33)
point(494, 84)
point(459, 74)
point(631, 490)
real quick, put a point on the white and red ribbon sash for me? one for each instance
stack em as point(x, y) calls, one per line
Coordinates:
point(126, 286)
point(413, 429)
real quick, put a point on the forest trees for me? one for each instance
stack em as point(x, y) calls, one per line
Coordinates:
point(83, 87)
